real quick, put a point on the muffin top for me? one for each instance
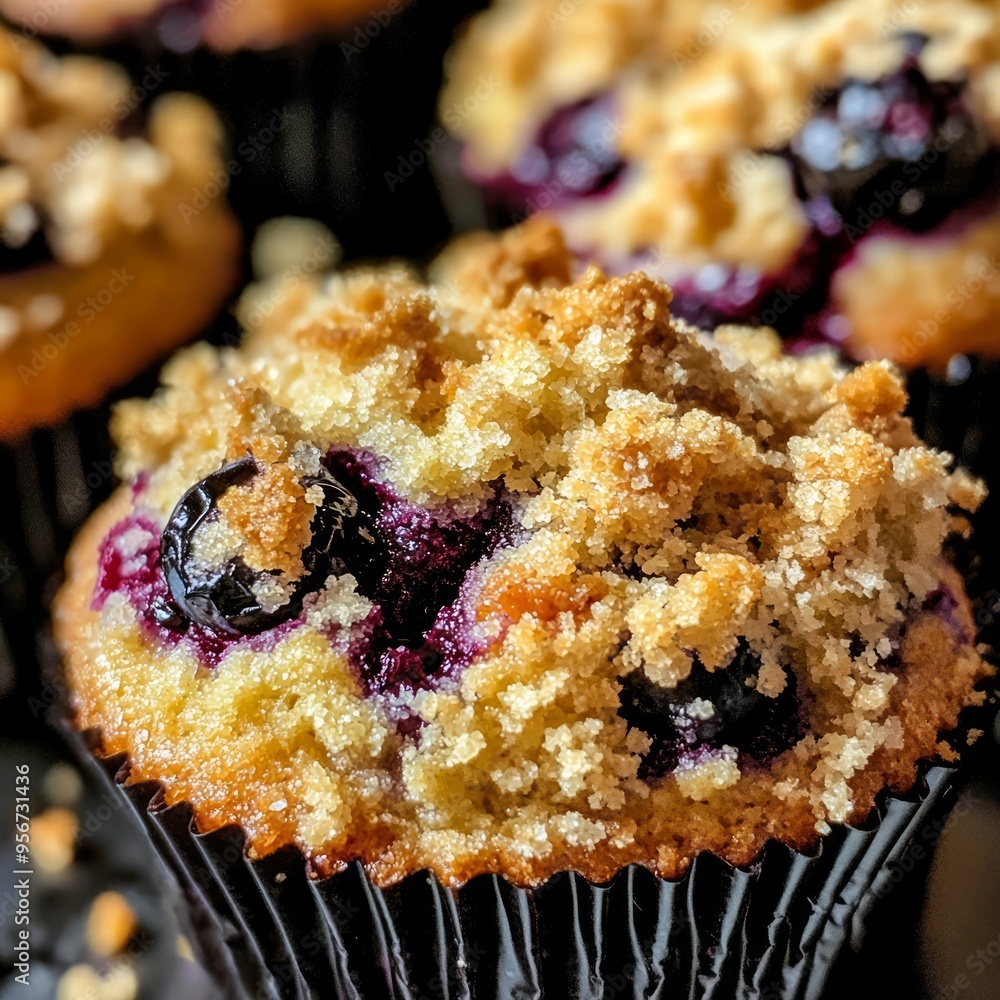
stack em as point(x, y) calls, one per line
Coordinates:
point(510, 571)
point(706, 176)
point(224, 26)
point(545, 54)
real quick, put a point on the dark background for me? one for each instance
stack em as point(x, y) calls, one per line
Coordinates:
point(352, 113)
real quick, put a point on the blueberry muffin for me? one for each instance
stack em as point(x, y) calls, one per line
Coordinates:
point(225, 25)
point(829, 173)
point(546, 57)
point(115, 238)
point(511, 572)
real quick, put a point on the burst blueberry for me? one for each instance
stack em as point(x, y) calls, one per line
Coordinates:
point(224, 601)
point(678, 721)
point(573, 156)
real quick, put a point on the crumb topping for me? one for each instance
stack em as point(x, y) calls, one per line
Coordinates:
point(715, 608)
point(540, 56)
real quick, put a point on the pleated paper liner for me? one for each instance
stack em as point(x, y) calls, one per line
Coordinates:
point(768, 932)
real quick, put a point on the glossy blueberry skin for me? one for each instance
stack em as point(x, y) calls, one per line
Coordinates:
point(760, 728)
point(908, 146)
point(409, 561)
point(420, 629)
point(342, 541)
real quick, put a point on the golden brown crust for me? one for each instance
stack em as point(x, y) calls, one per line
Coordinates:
point(671, 493)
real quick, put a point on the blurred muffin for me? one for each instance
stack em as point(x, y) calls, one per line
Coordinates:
point(116, 239)
point(225, 25)
point(513, 573)
point(830, 173)
point(544, 56)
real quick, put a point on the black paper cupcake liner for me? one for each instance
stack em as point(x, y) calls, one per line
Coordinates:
point(53, 478)
point(771, 931)
point(959, 412)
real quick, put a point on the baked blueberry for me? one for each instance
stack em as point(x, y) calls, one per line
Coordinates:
point(902, 142)
point(712, 709)
point(223, 598)
point(572, 157)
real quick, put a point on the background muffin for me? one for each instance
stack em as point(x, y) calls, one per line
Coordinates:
point(830, 173)
point(225, 26)
point(117, 240)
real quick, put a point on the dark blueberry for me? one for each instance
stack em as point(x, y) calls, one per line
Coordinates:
point(758, 726)
point(723, 293)
point(409, 561)
point(418, 629)
point(168, 615)
point(342, 541)
point(572, 156)
point(901, 147)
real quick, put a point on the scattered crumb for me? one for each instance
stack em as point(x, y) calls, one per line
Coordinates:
point(53, 839)
point(63, 785)
point(110, 924)
point(81, 982)
point(184, 949)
